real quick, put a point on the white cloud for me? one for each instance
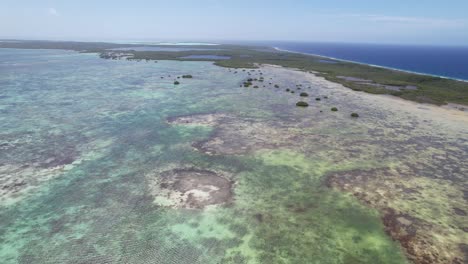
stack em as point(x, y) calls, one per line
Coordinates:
point(52, 11)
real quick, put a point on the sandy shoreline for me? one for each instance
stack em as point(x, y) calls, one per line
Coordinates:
point(372, 65)
point(455, 112)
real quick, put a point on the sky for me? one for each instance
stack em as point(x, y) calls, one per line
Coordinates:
point(428, 22)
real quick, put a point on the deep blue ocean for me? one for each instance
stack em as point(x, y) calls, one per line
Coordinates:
point(435, 60)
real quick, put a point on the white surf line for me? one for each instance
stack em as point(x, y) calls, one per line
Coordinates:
point(372, 65)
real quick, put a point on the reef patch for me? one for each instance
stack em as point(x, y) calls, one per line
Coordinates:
point(240, 135)
point(210, 119)
point(418, 212)
point(193, 188)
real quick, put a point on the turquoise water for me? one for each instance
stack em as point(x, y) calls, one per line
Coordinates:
point(89, 154)
point(159, 48)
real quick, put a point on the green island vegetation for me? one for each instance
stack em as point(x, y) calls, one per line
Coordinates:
point(188, 76)
point(302, 104)
point(176, 83)
point(359, 77)
point(334, 109)
point(304, 94)
point(247, 84)
point(354, 115)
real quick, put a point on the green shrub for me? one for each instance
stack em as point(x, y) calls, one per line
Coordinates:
point(317, 99)
point(176, 83)
point(304, 94)
point(354, 115)
point(334, 109)
point(302, 104)
point(188, 76)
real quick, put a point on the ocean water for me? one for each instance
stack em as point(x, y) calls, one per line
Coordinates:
point(434, 60)
point(107, 161)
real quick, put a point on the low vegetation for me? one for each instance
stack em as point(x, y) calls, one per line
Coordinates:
point(302, 104)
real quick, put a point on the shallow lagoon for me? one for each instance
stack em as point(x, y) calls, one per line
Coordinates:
point(207, 57)
point(93, 152)
point(159, 48)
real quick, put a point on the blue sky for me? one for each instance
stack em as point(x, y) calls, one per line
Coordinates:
point(395, 21)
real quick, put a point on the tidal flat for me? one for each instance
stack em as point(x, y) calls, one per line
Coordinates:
point(107, 161)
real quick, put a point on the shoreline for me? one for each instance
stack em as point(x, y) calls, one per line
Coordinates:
point(371, 65)
point(455, 111)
